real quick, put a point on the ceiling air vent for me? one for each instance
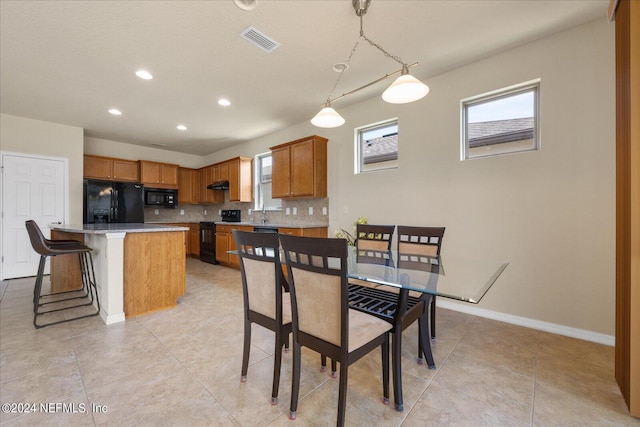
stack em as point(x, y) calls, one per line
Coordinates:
point(259, 39)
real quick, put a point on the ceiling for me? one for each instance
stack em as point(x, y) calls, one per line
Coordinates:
point(70, 61)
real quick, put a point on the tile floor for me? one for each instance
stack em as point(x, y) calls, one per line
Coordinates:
point(182, 367)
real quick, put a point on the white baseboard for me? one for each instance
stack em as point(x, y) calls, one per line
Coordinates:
point(554, 328)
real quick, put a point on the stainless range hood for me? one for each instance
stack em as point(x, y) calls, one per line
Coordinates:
point(220, 185)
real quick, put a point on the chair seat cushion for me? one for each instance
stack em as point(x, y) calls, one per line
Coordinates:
point(363, 328)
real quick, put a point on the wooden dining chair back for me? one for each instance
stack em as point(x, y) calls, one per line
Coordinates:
point(322, 320)
point(374, 237)
point(420, 240)
point(426, 241)
point(56, 302)
point(265, 302)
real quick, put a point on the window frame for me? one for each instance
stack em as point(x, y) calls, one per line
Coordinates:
point(510, 91)
point(258, 191)
point(359, 163)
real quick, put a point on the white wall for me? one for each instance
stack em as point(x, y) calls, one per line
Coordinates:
point(550, 213)
point(22, 135)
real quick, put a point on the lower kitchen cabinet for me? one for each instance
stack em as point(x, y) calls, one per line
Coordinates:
point(225, 243)
point(193, 244)
point(305, 232)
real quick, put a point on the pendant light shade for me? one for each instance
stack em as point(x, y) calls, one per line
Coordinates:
point(327, 118)
point(405, 89)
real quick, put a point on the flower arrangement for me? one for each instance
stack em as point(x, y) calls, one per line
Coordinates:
point(343, 234)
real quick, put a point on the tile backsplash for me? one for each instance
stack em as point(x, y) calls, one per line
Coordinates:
point(197, 213)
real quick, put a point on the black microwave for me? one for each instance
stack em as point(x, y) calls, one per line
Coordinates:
point(161, 197)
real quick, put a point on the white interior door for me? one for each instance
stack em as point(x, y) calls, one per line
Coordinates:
point(33, 187)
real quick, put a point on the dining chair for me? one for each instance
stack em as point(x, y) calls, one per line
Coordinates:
point(88, 291)
point(374, 237)
point(322, 319)
point(265, 302)
point(422, 241)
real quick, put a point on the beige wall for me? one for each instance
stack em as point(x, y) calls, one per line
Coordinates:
point(550, 213)
point(108, 148)
point(22, 135)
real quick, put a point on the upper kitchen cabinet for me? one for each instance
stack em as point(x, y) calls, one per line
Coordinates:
point(158, 175)
point(240, 172)
point(97, 167)
point(209, 175)
point(300, 168)
point(188, 189)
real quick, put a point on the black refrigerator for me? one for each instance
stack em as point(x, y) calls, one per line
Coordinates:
point(106, 201)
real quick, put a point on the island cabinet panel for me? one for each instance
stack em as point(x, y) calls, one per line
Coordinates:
point(188, 189)
point(154, 271)
point(300, 168)
point(97, 167)
point(158, 175)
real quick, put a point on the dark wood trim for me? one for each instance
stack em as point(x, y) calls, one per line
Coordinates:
point(627, 352)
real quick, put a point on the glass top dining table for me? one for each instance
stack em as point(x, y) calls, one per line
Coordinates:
point(456, 277)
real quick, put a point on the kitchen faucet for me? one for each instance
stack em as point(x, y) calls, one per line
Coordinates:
point(264, 215)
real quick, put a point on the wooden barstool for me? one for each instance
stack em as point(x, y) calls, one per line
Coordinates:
point(50, 248)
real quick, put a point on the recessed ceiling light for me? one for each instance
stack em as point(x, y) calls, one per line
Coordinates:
point(143, 74)
point(247, 5)
point(224, 102)
point(115, 112)
point(340, 67)
point(181, 127)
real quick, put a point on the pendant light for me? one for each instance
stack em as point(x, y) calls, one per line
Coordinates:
point(404, 89)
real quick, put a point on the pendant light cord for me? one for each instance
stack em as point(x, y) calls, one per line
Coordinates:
point(405, 67)
point(380, 48)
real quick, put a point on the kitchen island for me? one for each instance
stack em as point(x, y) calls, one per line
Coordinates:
point(140, 268)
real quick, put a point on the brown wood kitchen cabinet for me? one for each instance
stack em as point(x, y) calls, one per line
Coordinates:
point(194, 239)
point(188, 190)
point(240, 179)
point(209, 175)
point(225, 243)
point(109, 168)
point(305, 232)
point(158, 175)
point(300, 168)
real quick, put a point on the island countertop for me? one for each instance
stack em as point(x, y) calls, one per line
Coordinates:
point(116, 228)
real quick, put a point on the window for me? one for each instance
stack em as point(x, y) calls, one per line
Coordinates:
point(377, 146)
point(501, 122)
point(263, 184)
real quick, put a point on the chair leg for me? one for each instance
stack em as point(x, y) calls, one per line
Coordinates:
point(385, 370)
point(277, 361)
point(342, 392)
point(426, 342)
point(433, 318)
point(334, 368)
point(295, 380)
point(37, 289)
point(396, 344)
point(323, 363)
point(419, 343)
point(245, 350)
